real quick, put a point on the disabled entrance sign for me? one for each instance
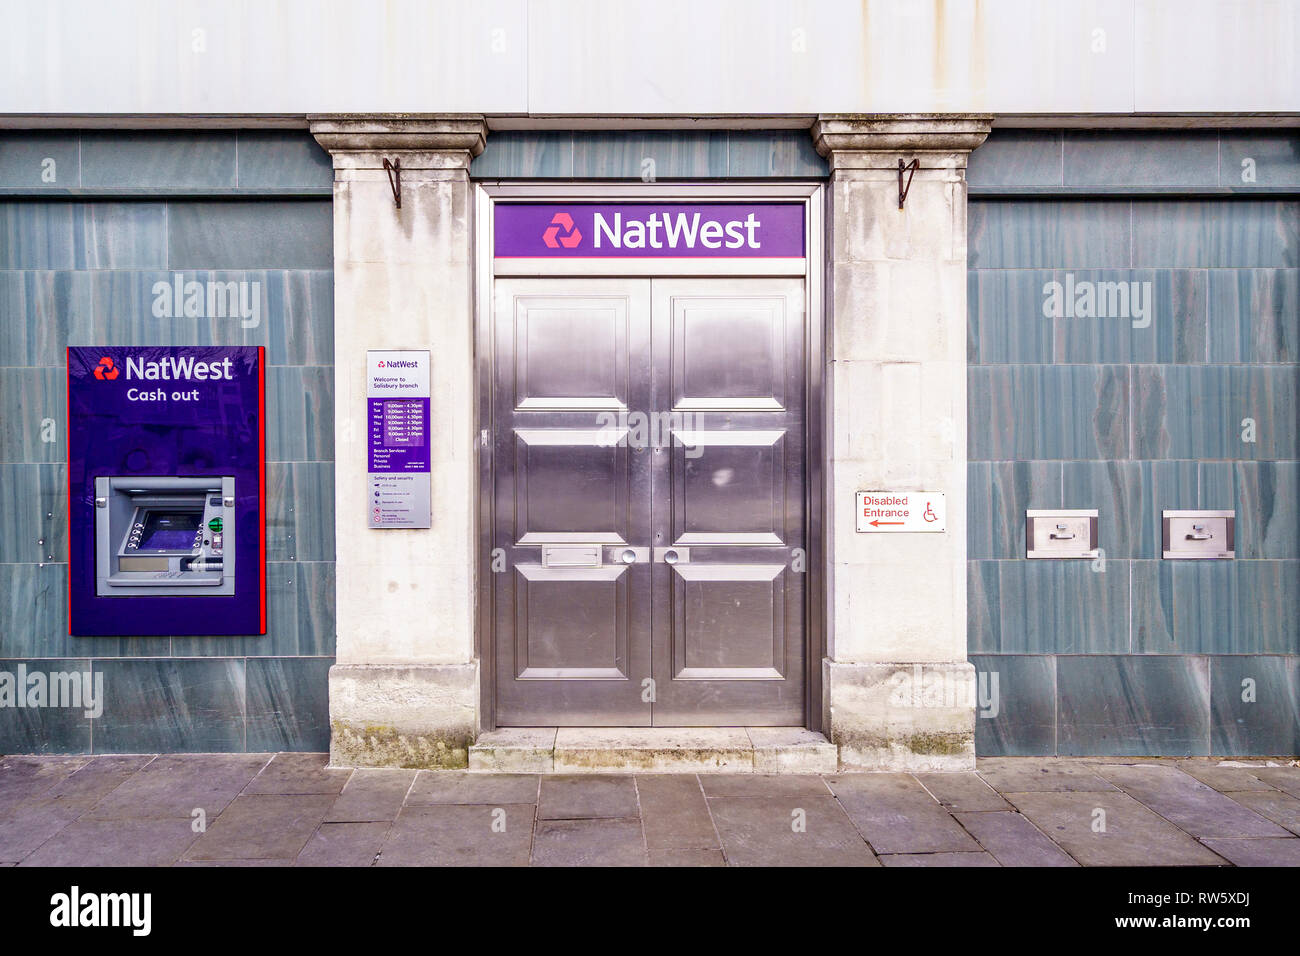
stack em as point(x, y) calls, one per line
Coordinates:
point(886, 511)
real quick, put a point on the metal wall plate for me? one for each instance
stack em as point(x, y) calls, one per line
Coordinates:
point(1198, 535)
point(1061, 534)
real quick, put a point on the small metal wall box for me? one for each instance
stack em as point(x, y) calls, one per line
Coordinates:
point(1061, 534)
point(1198, 535)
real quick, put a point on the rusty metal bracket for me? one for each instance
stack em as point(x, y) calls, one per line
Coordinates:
point(910, 169)
point(394, 170)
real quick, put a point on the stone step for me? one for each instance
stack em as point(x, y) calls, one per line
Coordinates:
point(653, 750)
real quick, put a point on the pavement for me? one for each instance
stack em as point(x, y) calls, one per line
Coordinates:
point(291, 809)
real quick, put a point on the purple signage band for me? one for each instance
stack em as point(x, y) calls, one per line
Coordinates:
point(633, 230)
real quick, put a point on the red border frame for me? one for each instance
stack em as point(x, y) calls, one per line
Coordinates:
point(261, 480)
point(67, 458)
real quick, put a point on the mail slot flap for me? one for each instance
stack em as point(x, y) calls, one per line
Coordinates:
point(1199, 534)
point(571, 555)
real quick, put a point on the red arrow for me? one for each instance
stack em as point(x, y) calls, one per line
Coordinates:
point(877, 523)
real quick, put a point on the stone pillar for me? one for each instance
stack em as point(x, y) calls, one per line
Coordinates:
point(898, 691)
point(404, 690)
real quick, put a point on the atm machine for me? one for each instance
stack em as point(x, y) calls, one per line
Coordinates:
point(164, 535)
point(166, 491)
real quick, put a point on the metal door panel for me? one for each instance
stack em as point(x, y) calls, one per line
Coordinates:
point(571, 352)
point(571, 485)
point(729, 486)
point(729, 622)
point(713, 483)
point(728, 352)
point(572, 623)
point(572, 643)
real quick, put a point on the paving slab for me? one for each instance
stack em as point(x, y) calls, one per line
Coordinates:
point(758, 833)
point(767, 786)
point(1132, 834)
point(81, 790)
point(583, 797)
point(687, 858)
point(116, 843)
point(24, 830)
point(292, 773)
point(1282, 808)
point(1284, 778)
point(344, 844)
point(938, 859)
point(467, 786)
point(1226, 779)
point(958, 792)
point(653, 750)
point(1035, 774)
point(514, 750)
point(1189, 804)
point(792, 750)
point(1012, 839)
point(262, 827)
point(460, 835)
point(174, 785)
point(896, 815)
point(20, 766)
point(674, 813)
point(228, 768)
point(589, 843)
point(372, 796)
point(1267, 852)
point(25, 778)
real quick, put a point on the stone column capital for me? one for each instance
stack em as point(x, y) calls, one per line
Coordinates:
point(849, 139)
point(437, 140)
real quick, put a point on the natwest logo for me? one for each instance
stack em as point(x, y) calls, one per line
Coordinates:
point(572, 236)
point(106, 370)
point(677, 231)
point(172, 368)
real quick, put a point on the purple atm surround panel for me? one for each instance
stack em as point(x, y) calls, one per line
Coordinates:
point(219, 429)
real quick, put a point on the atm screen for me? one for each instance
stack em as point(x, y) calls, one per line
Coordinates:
point(169, 530)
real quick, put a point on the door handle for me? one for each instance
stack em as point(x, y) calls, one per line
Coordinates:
point(1199, 533)
point(673, 555)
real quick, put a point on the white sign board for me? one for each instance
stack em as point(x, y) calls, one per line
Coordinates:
point(398, 456)
point(887, 511)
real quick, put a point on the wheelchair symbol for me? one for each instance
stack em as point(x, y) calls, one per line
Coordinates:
point(929, 514)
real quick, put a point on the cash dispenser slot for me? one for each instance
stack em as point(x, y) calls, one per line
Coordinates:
point(164, 535)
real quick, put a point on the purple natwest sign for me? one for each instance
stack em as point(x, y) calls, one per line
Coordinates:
point(649, 230)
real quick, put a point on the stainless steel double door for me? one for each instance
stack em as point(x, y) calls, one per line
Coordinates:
point(648, 502)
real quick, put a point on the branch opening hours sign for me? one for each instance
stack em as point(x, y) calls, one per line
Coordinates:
point(397, 473)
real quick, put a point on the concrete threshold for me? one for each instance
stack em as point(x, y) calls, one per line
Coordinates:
point(653, 750)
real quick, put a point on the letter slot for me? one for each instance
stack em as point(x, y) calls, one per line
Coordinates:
point(571, 556)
